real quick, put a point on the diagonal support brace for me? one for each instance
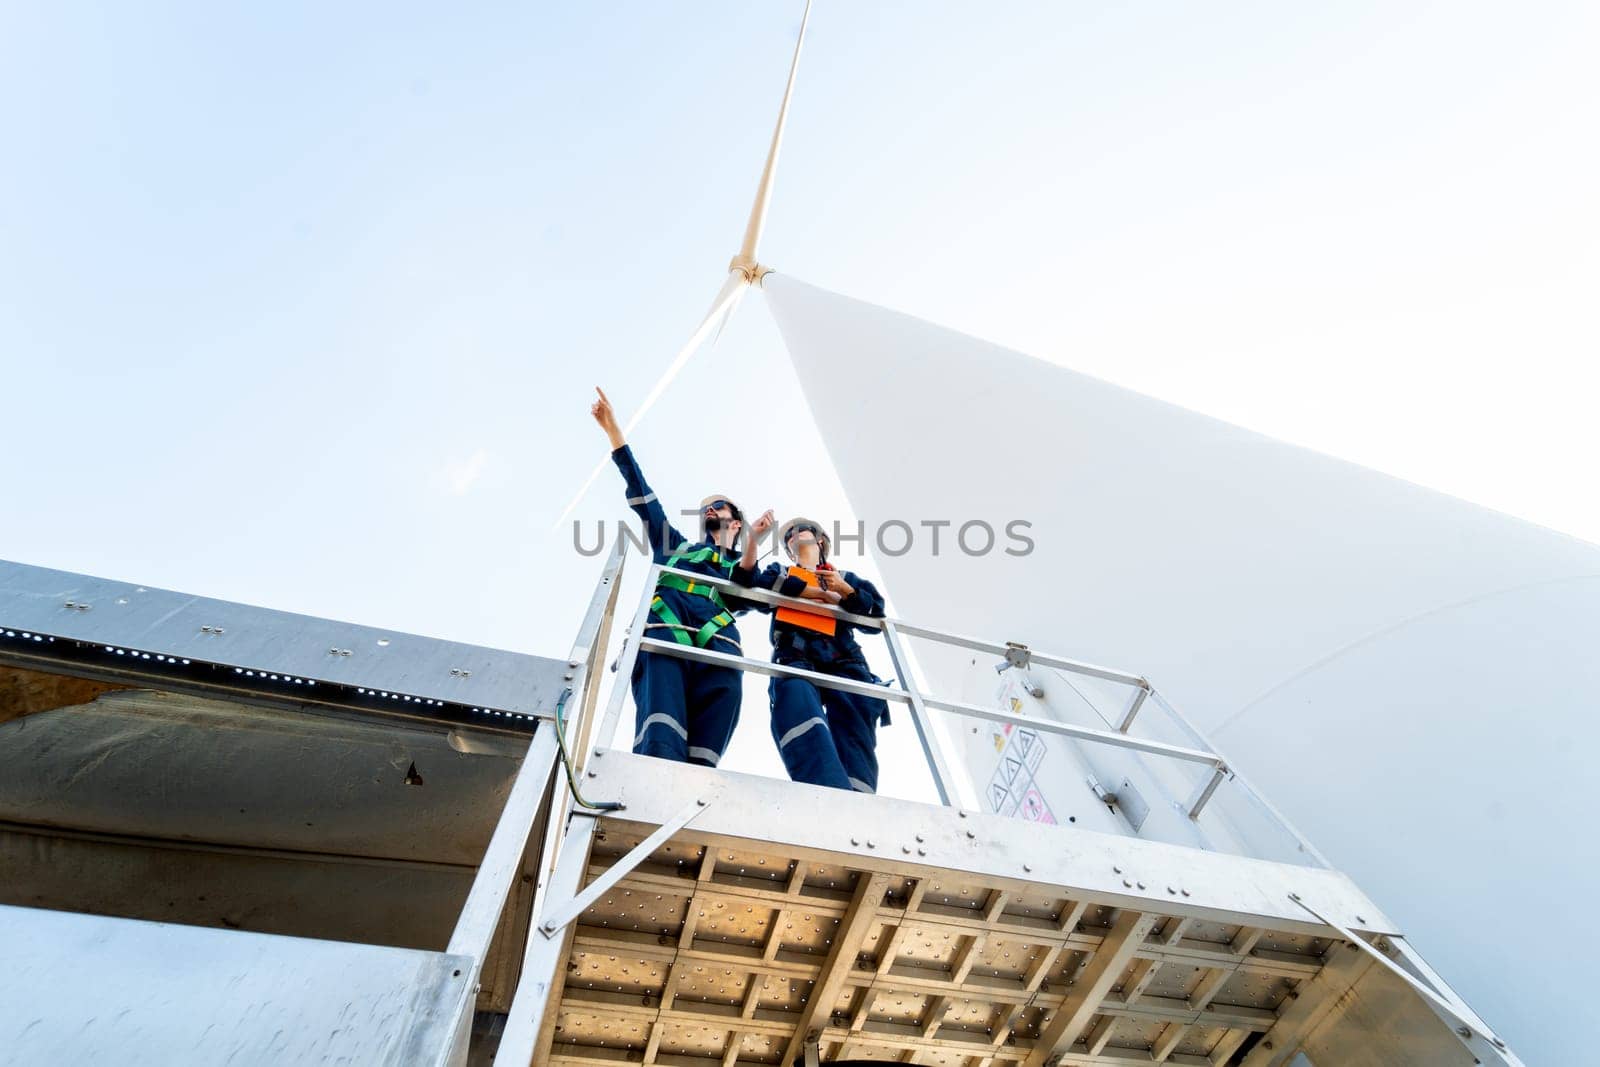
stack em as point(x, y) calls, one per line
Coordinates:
point(559, 915)
point(1485, 1047)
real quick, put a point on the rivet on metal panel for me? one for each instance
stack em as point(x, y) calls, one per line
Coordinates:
point(855, 840)
point(971, 834)
point(1027, 868)
point(906, 849)
point(870, 843)
point(1185, 892)
point(1141, 885)
point(1127, 884)
point(922, 852)
point(1115, 869)
point(919, 837)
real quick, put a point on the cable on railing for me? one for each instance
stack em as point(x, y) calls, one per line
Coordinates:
point(566, 761)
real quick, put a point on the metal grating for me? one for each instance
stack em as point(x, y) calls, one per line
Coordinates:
point(719, 948)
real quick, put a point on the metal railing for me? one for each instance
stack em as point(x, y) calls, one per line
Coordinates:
point(907, 692)
point(562, 863)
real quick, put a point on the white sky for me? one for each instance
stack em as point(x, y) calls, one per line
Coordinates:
point(302, 307)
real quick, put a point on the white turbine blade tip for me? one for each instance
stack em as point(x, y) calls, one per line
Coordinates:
point(721, 310)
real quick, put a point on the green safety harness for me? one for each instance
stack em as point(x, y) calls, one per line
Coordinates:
point(701, 636)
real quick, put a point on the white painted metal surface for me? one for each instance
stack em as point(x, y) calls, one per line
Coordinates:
point(288, 655)
point(143, 993)
point(1408, 676)
point(883, 929)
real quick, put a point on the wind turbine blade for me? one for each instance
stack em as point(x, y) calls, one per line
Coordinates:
point(732, 290)
point(727, 315)
point(721, 310)
point(758, 210)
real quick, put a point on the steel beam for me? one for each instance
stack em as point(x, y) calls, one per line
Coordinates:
point(561, 914)
point(531, 1020)
point(1062, 1028)
point(853, 928)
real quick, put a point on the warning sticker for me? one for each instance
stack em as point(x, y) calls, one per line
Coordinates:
point(1033, 808)
point(1012, 789)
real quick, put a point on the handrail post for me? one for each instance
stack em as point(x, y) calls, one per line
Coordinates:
point(588, 669)
point(942, 781)
point(1139, 696)
point(1202, 796)
point(624, 680)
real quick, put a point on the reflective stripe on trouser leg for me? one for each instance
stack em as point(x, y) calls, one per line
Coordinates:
point(661, 707)
point(714, 694)
point(853, 722)
point(800, 727)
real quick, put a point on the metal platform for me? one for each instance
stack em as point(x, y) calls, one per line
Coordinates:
point(901, 932)
point(715, 919)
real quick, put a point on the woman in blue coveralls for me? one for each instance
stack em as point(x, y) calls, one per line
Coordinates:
point(685, 710)
point(825, 736)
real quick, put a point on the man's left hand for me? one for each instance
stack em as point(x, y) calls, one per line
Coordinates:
point(833, 581)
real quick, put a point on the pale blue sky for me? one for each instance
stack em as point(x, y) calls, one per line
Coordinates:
point(301, 304)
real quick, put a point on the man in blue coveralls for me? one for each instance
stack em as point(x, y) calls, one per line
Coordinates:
point(825, 736)
point(685, 710)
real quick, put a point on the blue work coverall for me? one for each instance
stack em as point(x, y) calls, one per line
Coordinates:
point(684, 710)
point(825, 736)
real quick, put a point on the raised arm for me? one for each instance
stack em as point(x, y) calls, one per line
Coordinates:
point(664, 537)
point(775, 576)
